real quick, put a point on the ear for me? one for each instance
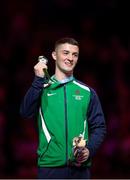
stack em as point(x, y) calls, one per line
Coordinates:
point(54, 55)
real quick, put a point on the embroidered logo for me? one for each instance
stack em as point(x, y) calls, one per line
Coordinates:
point(51, 94)
point(77, 95)
point(77, 92)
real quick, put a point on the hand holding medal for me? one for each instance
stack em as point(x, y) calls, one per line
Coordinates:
point(81, 153)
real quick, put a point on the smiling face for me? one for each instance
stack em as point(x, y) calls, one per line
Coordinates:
point(66, 57)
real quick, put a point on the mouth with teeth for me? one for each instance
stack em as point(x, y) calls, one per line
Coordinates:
point(68, 63)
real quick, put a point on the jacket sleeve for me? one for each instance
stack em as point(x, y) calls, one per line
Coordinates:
point(30, 103)
point(96, 124)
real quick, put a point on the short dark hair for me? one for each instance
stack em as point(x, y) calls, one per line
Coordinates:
point(66, 40)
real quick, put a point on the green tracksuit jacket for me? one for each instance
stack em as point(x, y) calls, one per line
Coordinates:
point(64, 110)
point(62, 116)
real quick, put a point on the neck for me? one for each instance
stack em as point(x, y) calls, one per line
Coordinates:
point(60, 75)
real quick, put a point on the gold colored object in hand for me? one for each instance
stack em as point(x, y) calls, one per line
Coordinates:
point(79, 142)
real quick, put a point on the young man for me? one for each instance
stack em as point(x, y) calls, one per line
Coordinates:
point(66, 111)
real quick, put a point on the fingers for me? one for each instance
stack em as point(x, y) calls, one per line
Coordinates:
point(75, 151)
point(81, 159)
point(81, 155)
point(38, 69)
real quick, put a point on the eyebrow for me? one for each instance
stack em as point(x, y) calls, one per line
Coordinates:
point(69, 51)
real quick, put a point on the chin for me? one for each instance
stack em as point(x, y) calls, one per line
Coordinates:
point(68, 72)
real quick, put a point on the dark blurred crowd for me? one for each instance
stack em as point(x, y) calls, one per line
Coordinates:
point(29, 29)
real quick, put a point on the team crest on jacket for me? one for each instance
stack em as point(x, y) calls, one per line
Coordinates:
point(77, 95)
point(77, 92)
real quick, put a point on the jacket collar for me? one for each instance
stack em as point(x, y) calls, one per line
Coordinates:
point(62, 81)
point(54, 83)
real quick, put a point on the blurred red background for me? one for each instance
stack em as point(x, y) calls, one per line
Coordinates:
point(29, 29)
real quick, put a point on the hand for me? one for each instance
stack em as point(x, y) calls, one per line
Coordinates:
point(38, 69)
point(81, 154)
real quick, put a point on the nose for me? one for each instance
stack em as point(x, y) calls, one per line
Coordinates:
point(70, 57)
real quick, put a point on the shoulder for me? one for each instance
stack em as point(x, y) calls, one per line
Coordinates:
point(81, 85)
point(93, 93)
point(84, 86)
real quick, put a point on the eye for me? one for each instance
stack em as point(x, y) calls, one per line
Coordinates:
point(76, 55)
point(65, 52)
